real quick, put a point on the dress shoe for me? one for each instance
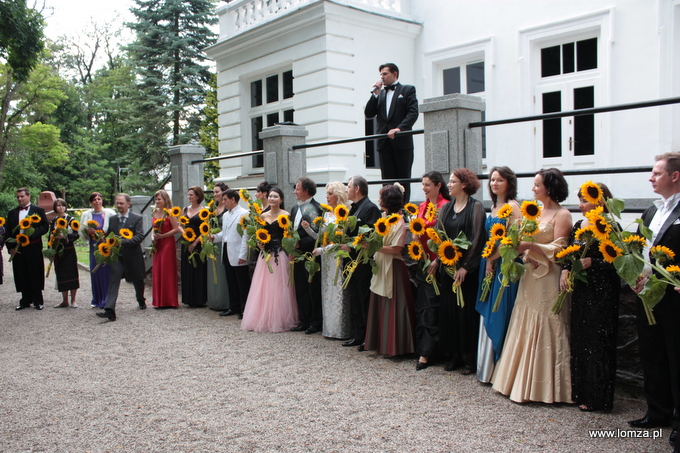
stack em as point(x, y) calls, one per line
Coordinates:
point(672, 439)
point(421, 365)
point(229, 312)
point(361, 347)
point(311, 330)
point(352, 342)
point(240, 316)
point(39, 307)
point(300, 328)
point(142, 306)
point(108, 314)
point(21, 307)
point(646, 422)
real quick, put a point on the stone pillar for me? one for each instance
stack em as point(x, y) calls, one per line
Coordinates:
point(282, 164)
point(138, 203)
point(449, 142)
point(184, 173)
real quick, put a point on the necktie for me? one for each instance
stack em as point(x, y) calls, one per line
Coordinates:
point(23, 208)
point(390, 87)
point(123, 219)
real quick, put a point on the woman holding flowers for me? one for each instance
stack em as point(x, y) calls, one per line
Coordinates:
point(164, 275)
point(534, 365)
point(218, 293)
point(337, 317)
point(594, 308)
point(271, 304)
point(390, 326)
point(64, 230)
point(427, 300)
point(493, 325)
point(93, 224)
point(458, 319)
point(194, 271)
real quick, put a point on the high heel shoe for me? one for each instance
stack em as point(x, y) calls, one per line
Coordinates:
point(421, 365)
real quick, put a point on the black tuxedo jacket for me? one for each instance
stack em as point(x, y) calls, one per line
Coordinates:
point(131, 256)
point(403, 114)
point(39, 229)
point(669, 234)
point(367, 213)
point(310, 211)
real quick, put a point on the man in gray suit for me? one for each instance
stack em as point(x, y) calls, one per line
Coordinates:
point(130, 262)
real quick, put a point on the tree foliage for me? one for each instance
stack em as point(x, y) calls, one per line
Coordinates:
point(21, 38)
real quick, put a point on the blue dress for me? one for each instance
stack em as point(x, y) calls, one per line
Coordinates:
point(492, 326)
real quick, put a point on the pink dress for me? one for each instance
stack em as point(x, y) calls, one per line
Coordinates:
point(164, 271)
point(271, 305)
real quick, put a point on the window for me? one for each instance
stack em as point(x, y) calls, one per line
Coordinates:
point(467, 79)
point(270, 103)
point(569, 57)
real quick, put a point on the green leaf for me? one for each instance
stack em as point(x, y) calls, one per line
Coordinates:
point(616, 205)
point(645, 231)
point(629, 268)
point(653, 291)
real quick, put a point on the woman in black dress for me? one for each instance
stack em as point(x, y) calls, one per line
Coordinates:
point(194, 272)
point(65, 261)
point(594, 322)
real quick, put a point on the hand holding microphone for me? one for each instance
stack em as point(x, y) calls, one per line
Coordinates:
point(376, 87)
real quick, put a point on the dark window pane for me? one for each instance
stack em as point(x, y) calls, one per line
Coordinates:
point(475, 77)
point(567, 58)
point(483, 136)
point(550, 61)
point(584, 126)
point(372, 160)
point(288, 116)
point(256, 93)
point(586, 54)
point(272, 88)
point(552, 129)
point(287, 84)
point(451, 80)
point(272, 118)
point(256, 128)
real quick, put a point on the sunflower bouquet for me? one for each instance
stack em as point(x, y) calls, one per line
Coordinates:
point(54, 245)
point(496, 233)
point(335, 235)
point(206, 229)
point(449, 253)
point(98, 234)
point(23, 232)
point(158, 223)
point(250, 223)
point(418, 227)
point(511, 269)
point(108, 250)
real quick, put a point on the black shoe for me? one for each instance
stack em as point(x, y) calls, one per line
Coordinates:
point(300, 328)
point(142, 306)
point(39, 307)
point(229, 312)
point(240, 316)
point(421, 365)
point(361, 347)
point(646, 422)
point(108, 314)
point(673, 438)
point(21, 307)
point(352, 342)
point(311, 330)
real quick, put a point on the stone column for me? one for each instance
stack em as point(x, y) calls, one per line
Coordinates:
point(184, 173)
point(282, 164)
point(138, 203)
point(449, 142)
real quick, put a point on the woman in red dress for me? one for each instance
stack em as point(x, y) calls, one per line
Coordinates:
point(164, 271)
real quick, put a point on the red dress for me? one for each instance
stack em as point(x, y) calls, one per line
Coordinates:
point(164, 271)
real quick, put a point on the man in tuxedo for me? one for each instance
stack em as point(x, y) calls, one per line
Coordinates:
point(308, 295)
point(660, 343)
point(130, 262)
point(395, 107)
point(358, 291)
point(234, 254)
point(27, 261)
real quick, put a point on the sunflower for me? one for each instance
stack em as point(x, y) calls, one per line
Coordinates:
point(75, 225)
point(325, 207)
point(286, 234)
point(258, 208)
point(204, 228)
point(184, 220)
point(568, 251)
point(50, 243)
point(110, 242)
point(489, 248)
point(591, 192)
point(411, 208)
point(433, 235)
point(661, 254)
point(283, 221)
point(189, 235)
point(260, 220)
point(243, 193)
point(417, 226)
point(92, 224)
point(60, 223)
point(263, 235)
point(203, 214)
point(595, 211)
point(382, 227)
point(674, 270)
point(583, 234)
point(497, 231)
point(506, 241)
point(609, 250)
point(504, 212)
point(636, 242)
point(175, 211)
point(318, 221)
point(126, 233)
point(430, 212)
point(394, 218)
point(357, 240)
point(25, 223)
point(530, 210)
point(530, 227)
point(448, 253)
point(415, 250)
point(341, 212)
point(23, 240)
point(324, 240)
point(601, 228)
point(2, 221)
point(211, 203)
point(104, 250)
point(242, 222)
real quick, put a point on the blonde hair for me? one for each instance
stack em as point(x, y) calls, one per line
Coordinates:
point(338, 189)
point(166, 198)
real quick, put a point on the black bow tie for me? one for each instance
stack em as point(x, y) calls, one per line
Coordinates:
point(23, 208)
point(391, 87)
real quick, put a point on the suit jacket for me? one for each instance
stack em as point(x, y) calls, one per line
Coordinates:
point(39, 229)
point(236, 245)
point(131, 256)
point(310, 211)
point(403, 114)
point(668, 235)
point(367, 213)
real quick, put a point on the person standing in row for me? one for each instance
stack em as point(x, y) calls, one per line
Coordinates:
point(194, 271)
point(99, 281)
point(66, 261)
point(218, 294)
point(164, 276)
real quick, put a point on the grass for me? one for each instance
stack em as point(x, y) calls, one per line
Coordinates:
point(83, 252)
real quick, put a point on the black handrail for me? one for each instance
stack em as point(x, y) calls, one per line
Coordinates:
point(363, 138)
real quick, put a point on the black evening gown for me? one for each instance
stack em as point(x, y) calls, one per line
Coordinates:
point(194, 278)
point(66, 264)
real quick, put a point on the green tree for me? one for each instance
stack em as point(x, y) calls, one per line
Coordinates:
point(208, 134)
point(21, 38)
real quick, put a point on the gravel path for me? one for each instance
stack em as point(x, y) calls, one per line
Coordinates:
point(188, 380)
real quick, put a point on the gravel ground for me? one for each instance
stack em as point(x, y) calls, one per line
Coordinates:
point(189, 380)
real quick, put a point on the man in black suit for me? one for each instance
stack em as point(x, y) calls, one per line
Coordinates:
point(27, 261)
point(395, 107)
point(358, 291)
point(308, 295)
point(130, 262)
point(660, 343)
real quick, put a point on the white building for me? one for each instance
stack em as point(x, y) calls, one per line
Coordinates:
point(314, 61)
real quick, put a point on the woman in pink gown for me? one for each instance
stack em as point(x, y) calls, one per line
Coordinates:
point(271, 305)
point(164, 271)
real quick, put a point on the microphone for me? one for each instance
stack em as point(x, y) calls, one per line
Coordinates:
point(374, 89)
